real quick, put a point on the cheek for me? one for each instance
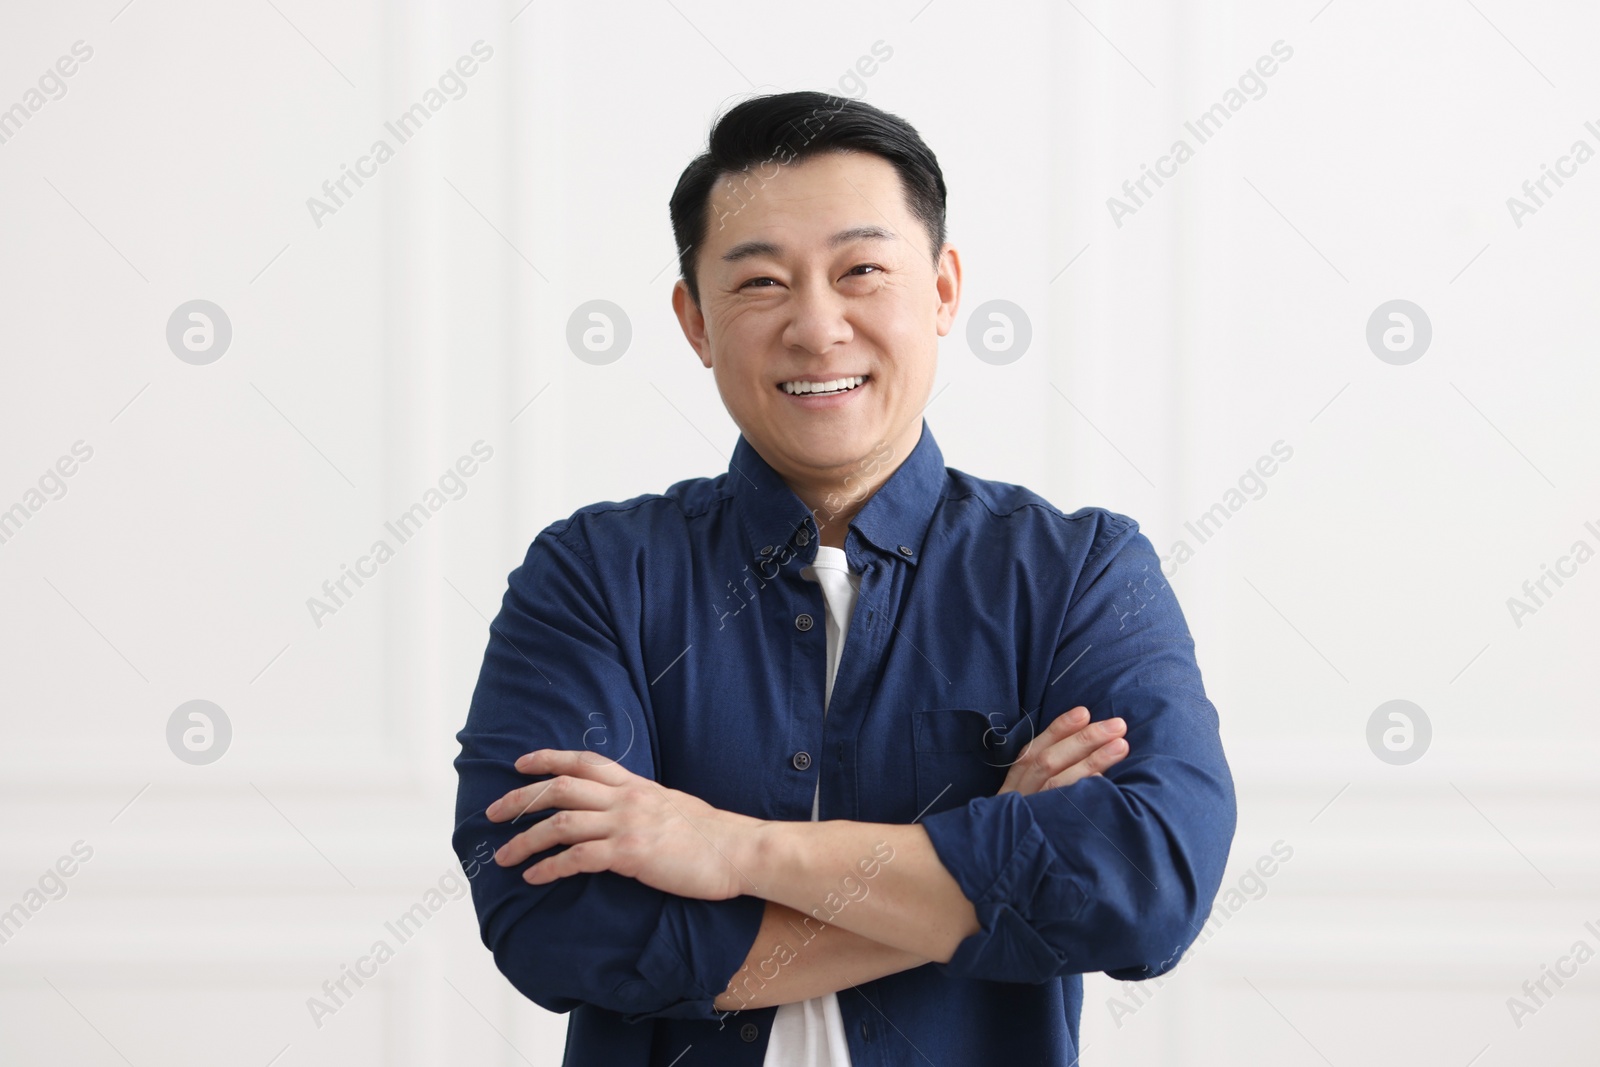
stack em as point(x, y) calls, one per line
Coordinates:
point(743, 329)
point(738, 375)
point(908, 336)
point(909, 317)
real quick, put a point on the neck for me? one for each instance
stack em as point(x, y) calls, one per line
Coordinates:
point(835, 500)
point(834, 503)
point(835, 506)
point(832, 526)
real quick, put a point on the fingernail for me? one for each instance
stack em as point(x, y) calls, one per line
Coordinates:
point(1078, 714)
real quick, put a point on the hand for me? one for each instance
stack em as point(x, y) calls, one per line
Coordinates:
point(615, 820)
point(1068, 750)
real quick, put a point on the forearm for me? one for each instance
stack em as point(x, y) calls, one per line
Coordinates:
point(796, 957)
point(883, 882)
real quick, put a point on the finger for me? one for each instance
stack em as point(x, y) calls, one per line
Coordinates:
point(560, 792)
point(562, 828)
point(1066, 725)
point(1098, 761)
point(1067, 740)
point(1066, 761)
point(1062, 726)
point(588, 857)
point(1078, 746)
point(578, 762)
point(1107, 754)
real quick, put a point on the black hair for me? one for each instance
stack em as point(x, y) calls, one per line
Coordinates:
point(781, 128)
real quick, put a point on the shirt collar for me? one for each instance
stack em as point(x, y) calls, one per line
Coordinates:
point(779, 528)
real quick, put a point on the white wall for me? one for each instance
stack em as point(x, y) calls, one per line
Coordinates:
point(368, 353)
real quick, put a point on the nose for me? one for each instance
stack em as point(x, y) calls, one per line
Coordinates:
point(817, 319)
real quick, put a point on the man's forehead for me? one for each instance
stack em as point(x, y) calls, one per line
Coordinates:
point(825, 200)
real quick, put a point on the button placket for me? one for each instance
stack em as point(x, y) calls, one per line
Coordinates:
point(851, 690)
point(798, 778)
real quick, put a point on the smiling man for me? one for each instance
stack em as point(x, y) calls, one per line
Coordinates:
point(843, 756)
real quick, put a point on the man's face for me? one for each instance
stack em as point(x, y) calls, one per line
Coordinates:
point(821, 274)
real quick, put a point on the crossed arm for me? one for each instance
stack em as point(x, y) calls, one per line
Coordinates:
point(1114, 874)
point(864, 899)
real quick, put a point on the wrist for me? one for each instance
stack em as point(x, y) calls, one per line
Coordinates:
point(766, 845)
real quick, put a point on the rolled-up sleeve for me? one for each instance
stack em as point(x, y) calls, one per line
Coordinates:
point(1115, 873)
point(553, 677)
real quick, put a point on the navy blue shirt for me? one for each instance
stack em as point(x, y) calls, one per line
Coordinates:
point(673, 632)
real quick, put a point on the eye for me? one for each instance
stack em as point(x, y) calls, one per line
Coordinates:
point(753, 281)
point(865, 266)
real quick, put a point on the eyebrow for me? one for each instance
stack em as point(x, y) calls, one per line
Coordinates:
point(750, 249)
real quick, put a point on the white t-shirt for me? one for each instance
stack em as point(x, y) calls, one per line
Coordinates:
point(810, 1033)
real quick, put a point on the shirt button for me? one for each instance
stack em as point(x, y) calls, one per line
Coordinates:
point(801, 760)
point(767, 550)
point(803, 538)
point(802, 622)
point(749, 1031)
point(905, 550)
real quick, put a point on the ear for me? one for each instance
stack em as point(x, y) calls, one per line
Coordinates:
point(947, 285)
point(691, 320)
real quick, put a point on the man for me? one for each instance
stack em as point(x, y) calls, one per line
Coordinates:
point(812, 733)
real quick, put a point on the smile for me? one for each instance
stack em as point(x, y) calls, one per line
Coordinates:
point(826, 388)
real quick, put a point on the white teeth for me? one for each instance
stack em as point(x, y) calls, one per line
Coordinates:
point(837, 385)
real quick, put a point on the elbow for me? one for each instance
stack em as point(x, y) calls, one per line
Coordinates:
point(512, 927)
point(553, 984)
point(1126, 946)
point(1162, 931)
point(1131, 913)
point(1153, 928)
point(537, 948)
point(1156, 945)
point(592, 939)
point(528, 952)
point(531, 977)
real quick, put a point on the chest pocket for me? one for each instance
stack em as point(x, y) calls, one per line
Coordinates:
point(962, 753)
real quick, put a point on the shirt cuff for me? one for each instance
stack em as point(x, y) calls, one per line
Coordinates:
point(1001, 859)
point(697, 945)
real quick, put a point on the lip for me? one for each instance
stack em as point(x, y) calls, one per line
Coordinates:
point(820, 402)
